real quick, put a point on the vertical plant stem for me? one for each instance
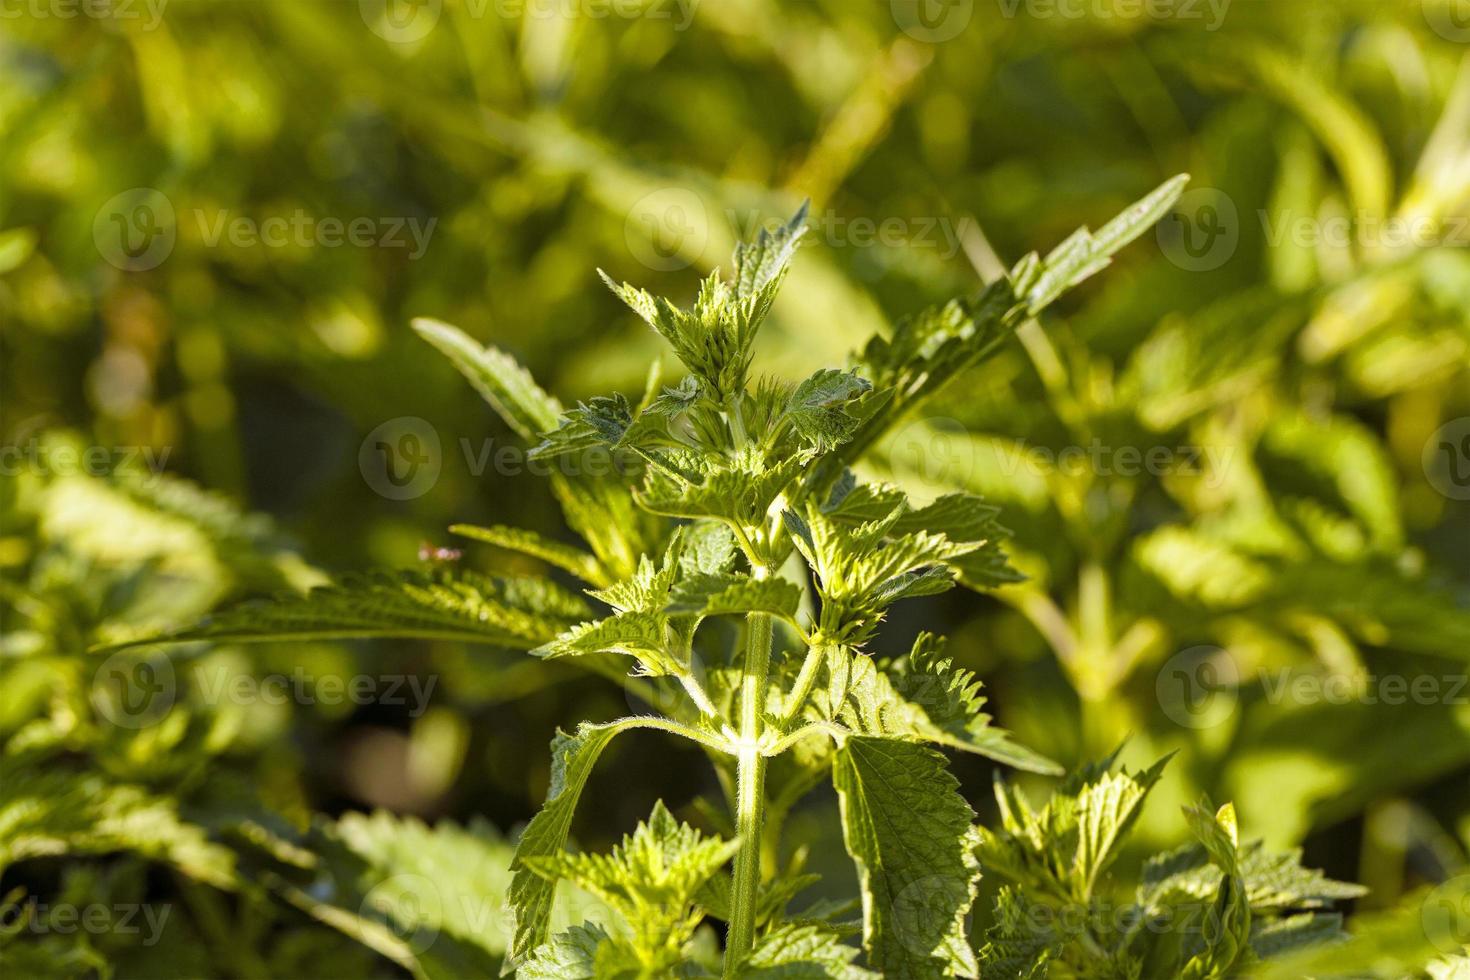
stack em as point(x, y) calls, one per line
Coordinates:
point(750, 802)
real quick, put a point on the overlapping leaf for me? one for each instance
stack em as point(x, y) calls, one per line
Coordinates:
point(923, 697)
point(441, 605)
point(870, 549)
point(530, 894)
point(909, 832)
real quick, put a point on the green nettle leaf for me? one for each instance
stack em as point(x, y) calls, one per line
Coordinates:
point(570, 955)
point(1274, 882)
point(657, 610)
point(1205, 910)
point(663, 862)
point(600, 423)
point(572, 759)
point(643, 636)
point(929, 349)
point(497, 376)
point(440, 605)
point(960, 517)
point(427, 897)
point(802, 951)
point(740, 488)
point(923, 697)
point(909, 830)
point(639, 628)
point(1066, 846)
point(729, 594)
point(1228, 918)
point(1021, 944)
point(714, 337)
point(818, 407)
point(47, 811)
point(950, 700)
point(924, 352)
point(871, 549)
point(1104, 812)
point(650, 879)
point(708, 548)
point(586, 567)
point(1084, 253)
point(599, 509)
point(647, 590)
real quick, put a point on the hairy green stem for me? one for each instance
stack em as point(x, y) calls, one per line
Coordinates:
point(805, 681)
point(684, 731)
point(697, 694)
point(786, 741)
point(750, 790)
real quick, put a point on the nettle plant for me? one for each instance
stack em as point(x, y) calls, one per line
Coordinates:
point(730, 498)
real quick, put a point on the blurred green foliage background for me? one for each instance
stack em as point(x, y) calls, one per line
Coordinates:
point(216, 219)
